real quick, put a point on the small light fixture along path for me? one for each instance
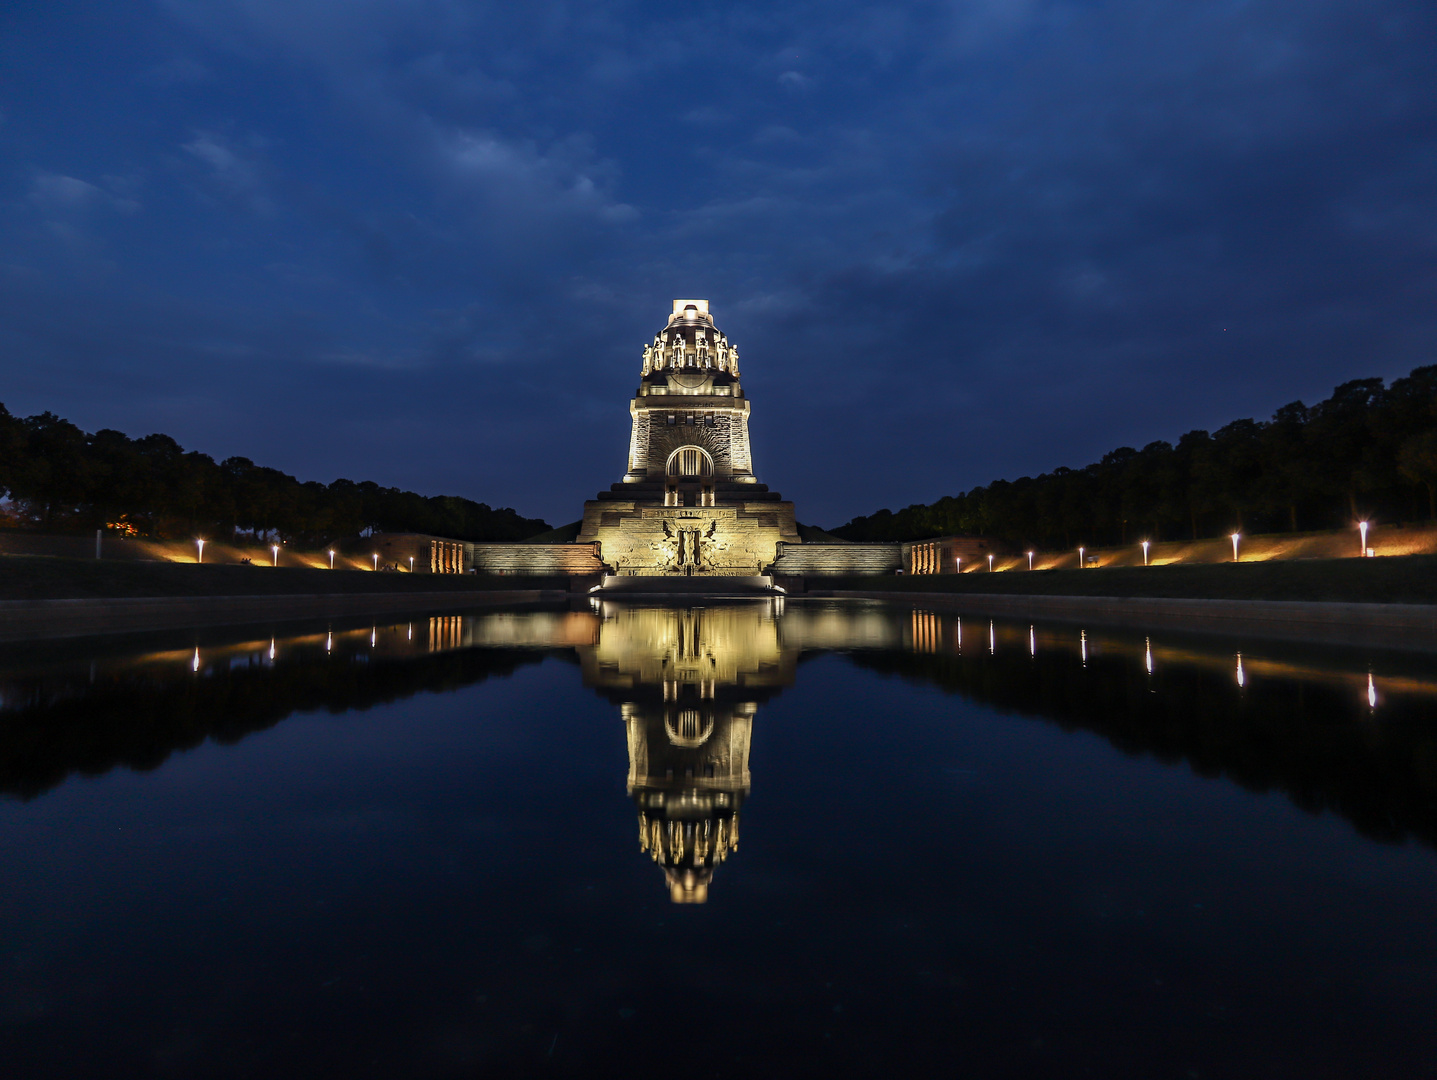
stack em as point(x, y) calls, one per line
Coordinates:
point(990, 564)
point(376, 560)
point(1363, 526)
point(1371, 692)
point(331, 558)
point(1241, 679)
point(1081, 564)
point(275, 549)
point(958, 560)
point(201, 545)
point(411, 564)
point(1235, 538)
point(1030, 560)
point(1145, 553)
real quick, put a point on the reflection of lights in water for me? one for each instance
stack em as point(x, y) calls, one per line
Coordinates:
point(992, 638)
point(1032, 642)
point(1371, 692)
point(1148, 654)
point(197, 660)
point(1240, 678)
point(960, 634)
point(1083, 645)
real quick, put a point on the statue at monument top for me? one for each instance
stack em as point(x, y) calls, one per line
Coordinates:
point(690, 340)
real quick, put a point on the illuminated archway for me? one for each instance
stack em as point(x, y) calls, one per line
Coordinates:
point(690, 461)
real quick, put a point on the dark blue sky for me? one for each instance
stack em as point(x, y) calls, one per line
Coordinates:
point(423, 241)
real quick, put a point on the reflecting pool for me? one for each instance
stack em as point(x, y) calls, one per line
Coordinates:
point(767, 839)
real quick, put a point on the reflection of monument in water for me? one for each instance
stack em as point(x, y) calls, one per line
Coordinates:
point(688, 684)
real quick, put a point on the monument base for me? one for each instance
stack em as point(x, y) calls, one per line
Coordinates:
point(700, 586)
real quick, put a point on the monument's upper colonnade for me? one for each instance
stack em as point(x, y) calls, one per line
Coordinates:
point(690, 342)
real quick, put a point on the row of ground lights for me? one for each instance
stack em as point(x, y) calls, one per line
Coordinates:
point(274, 550)
point(1145, 544)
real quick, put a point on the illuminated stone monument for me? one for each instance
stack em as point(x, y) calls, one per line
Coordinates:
point(689, 503)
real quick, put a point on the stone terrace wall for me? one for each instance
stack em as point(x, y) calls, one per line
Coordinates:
point(535, 560)
point(808, 560)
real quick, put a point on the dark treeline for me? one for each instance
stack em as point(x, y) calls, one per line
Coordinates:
point(1307, 739)
point(57, 477)
point(69, 724)
point(1368, 451)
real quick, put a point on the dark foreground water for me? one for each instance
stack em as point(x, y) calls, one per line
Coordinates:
point(745, 841)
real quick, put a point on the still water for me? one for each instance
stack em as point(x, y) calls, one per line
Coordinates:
point(766, 840)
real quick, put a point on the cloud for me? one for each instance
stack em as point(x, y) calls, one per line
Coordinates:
point(235, 174)
point(56, 193)
point(530, 187)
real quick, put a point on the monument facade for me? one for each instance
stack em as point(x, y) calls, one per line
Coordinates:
point(689, 503)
